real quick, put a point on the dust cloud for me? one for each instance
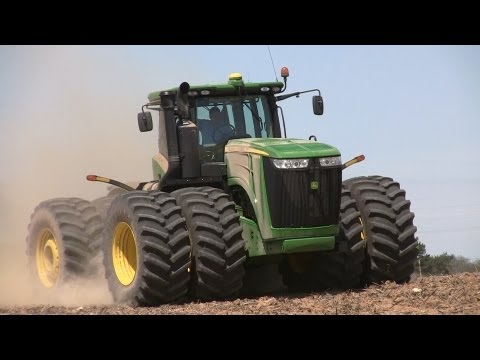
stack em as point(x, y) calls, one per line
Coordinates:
point(65, 112)
point(19, 287)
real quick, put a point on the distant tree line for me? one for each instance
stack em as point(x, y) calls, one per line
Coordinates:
point(443, 264)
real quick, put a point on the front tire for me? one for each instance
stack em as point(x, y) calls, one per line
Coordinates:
point(388, 225)
point(146, 249)
point(218, 249)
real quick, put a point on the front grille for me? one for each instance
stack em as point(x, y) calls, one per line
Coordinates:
point(292, 201)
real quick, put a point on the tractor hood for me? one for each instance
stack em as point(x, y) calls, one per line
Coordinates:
point(281, 148)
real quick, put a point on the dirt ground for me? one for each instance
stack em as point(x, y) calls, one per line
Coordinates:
point(450, 294)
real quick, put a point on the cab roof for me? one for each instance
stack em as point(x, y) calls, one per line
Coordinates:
point(235, 86)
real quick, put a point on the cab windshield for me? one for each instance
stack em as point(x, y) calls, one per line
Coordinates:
point(234, 117)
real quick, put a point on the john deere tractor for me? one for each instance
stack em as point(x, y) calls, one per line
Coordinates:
point(217, 208)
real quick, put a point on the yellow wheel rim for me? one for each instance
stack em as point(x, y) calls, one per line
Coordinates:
point(124, 253)
point(47, 258)
point(363, 234)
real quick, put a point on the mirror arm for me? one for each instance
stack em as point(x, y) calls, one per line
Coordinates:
point(283, 97)
point(151, 103)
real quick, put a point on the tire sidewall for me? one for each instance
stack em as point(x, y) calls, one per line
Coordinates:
point(121, 293)
point(44, 219)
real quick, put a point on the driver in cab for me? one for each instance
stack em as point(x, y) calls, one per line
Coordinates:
point(213, 131)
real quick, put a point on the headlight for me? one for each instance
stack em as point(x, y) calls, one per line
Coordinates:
point(331, 161)
point(290, 163)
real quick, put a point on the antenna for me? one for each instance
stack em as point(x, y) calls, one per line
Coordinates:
point(273, 66)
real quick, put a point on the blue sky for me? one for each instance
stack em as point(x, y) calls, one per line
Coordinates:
point(414, 111)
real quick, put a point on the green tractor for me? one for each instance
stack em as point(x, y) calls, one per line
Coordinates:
point(221, 203)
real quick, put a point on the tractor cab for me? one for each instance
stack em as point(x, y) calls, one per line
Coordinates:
point(196, 122)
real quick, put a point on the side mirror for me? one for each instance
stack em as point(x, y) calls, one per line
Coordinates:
point(317, 103)
point(145, 121)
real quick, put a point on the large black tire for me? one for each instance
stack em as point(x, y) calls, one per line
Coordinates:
point(63, 238)
point(145, 246)
point(218, 249)
point(388, 225)
point(340, 268)
point(343, 267)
